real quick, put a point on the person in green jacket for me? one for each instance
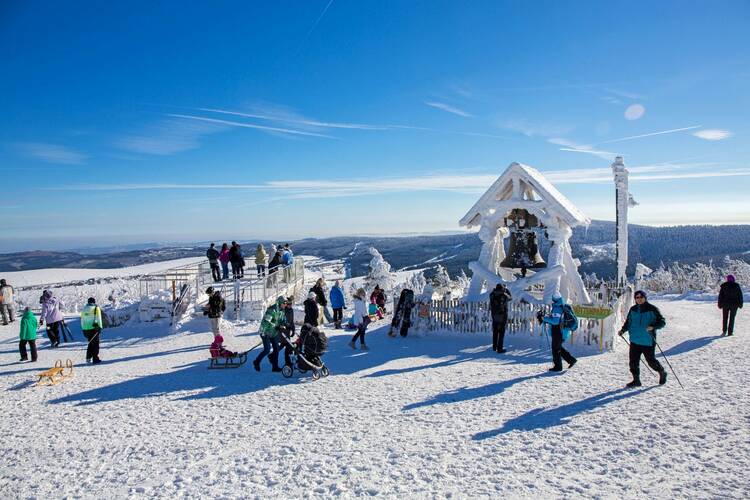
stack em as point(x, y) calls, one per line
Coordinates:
point(273, 320)
point(28, 335)
point(91, 326)
point(643, 320)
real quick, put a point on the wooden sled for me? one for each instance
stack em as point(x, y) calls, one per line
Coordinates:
point(233, 362)
point(56, 374)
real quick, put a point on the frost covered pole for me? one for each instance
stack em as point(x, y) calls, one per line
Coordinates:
point(621, 218)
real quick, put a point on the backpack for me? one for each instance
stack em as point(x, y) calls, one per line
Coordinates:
point(569, 319)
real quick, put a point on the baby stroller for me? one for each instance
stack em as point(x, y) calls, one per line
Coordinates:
point(306, 352)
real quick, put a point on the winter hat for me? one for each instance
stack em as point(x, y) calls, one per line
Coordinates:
point(311, 295)
point(730, 278)
point(2, 283)
point(46, 294)
point(280, 301)
point(218, 338)
point(556, 297)
point(640, 292)
point(92, 300)
point(210, 290)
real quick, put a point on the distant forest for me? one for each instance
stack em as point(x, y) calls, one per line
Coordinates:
point(593, 246)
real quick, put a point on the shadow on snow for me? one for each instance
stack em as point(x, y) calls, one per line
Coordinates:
point(541, 418)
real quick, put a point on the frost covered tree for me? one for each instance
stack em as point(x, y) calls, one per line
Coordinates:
point(380, 271)
point(441, 282)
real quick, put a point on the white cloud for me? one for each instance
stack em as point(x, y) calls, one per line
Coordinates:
point(713, 134)
point(634, 112)
point(473, 184)
point(536, 129)
point(51, 153)
point(581, 148)
point(448, 108)
point(650, 134)
point(282, 115)
point(167, 137)
point(251, 125)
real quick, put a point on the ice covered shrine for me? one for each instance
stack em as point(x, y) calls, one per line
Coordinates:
point(523, 206)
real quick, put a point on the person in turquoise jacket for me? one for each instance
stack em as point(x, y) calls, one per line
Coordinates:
point(558, 333)
point(28, 335)
point(642, 323)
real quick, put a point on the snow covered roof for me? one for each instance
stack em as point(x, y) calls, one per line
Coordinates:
point(522, 186)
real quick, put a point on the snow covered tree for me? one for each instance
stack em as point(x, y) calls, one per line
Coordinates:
point(441, 282)
point(380, 271)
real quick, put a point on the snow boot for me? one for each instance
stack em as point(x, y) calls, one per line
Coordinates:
point(391, 333)
point(570, 365)
point(364, 347)
point(275, 369)
point(729, 334)
point(256, 365)
point(501, 351)
point(351, 344)
point(556, 369)
point(96, 361)
point(662, 377)
point(635, 383)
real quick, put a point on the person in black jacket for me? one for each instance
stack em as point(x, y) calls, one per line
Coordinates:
point(499, 299)
point(214, 309)
point(311, 309)
point(235, 258)
point(730, 299)
point(320, 297)
point(213, 259)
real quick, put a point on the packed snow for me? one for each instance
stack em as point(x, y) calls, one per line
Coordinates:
point(429, 415)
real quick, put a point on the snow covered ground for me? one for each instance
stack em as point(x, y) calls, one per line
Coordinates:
point(42, 276)
point(422, 417)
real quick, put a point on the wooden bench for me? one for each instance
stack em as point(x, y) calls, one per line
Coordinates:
point(56, 374)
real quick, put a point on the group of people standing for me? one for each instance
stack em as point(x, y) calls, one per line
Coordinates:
point(220, 260)
point(52, 316)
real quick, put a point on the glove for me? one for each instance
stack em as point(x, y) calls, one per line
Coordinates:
point(650, 329)
point(540, 316)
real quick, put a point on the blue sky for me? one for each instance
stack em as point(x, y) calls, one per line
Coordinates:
point(169, 121)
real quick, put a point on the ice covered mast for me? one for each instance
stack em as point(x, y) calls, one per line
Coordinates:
point(622, 201)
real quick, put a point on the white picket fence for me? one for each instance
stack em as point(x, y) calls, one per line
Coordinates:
point(457, 315)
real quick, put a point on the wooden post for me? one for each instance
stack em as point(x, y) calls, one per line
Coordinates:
point(174, 291)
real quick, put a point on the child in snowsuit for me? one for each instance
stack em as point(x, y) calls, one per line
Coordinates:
point(559, 333)
point(28, 335)
point(217, 348)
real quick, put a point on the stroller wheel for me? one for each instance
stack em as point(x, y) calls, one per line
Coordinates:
point(287, 371)
point(324, 371)
point(315, 374)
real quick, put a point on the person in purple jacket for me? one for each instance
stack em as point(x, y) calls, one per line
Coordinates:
point(51, 315)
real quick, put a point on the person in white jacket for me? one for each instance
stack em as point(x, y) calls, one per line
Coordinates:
point(360, 318)
point(7, 307)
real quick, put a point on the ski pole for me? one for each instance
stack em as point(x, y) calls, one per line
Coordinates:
point(668, 363)
point(645, 364)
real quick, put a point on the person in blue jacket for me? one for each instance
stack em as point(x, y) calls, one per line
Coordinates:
point(643, 320)
point(559, 333)
point(337, 304)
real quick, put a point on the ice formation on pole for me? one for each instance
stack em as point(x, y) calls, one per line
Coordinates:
point(545, 212)
point(623, 200)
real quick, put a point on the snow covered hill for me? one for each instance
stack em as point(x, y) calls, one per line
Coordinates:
point(439, 415)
